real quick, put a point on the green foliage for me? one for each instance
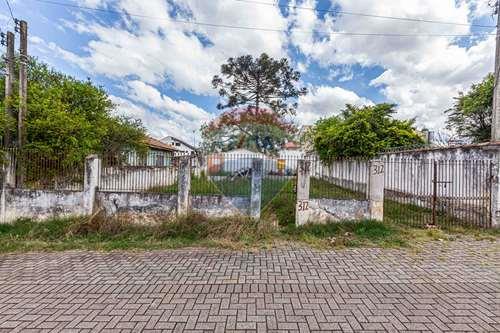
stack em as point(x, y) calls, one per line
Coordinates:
point(350, 233)
point(253, 82)
point(71, 117)
point(471, 114)
point(254, 129)
point(362, 132)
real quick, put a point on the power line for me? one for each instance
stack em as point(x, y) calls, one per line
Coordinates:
point(227, 26)
point(10, 10)
point(334, 11)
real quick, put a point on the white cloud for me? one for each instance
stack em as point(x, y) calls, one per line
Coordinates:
point(325, 101)
point(156, 49)
point(92, 3)
point(161, 114)
point(422, 74)
point(157, 125)
point(150, 96)
point(481, 8)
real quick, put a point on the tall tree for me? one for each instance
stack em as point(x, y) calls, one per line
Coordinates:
point(72, 117)
point(254, 129)
point(471, 114)
point(261, 83)
point(362, 132)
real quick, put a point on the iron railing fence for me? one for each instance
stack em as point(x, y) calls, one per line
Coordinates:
point(230, 174)
point(45, 171)
point(224, 174)
point(154, 172)
point(339, 178)
point(438, 192)
point(279, 179)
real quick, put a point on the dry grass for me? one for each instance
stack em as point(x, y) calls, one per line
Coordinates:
point(239, 232)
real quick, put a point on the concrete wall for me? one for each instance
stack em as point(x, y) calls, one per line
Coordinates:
point(40, 204)
point(483, 151)
point(141, 207)
point(220, 206)
point(136, 204)
point(463, 170)
point(321, 210)
point(332, 210)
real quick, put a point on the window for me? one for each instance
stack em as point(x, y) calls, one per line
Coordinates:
point(160, 160)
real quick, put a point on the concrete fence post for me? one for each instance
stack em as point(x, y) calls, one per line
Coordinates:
point(91, 182)
point(303, 183)
point(495, 193)
point(256, 191)
point(184, 185)
point(376, 189)
point(9, 170)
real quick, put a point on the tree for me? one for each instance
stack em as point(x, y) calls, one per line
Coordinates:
point(254, 129)
point(362, 132)
point(471, 114)
point(261, 82)
point(73, 118)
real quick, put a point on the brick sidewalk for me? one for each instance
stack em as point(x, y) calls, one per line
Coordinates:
point(445, 287)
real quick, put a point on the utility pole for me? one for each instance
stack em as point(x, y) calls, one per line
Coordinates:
point(495, 123)
point(9, 84)
point(23, 83)
point(23, 98)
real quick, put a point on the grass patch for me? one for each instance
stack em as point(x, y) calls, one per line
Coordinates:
point(349, 233)
point(320, 188)
point(417, 216)
point(281, 207)
point(106, 234)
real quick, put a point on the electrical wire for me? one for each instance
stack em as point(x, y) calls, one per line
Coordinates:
point(10, 10)
point(334, 11)
point(227, 26)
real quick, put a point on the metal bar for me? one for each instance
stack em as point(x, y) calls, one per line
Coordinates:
point(434, 193)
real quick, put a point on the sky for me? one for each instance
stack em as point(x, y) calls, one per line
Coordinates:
point(158, 66)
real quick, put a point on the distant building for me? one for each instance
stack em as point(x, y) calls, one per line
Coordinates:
point(182, 147)
point(159, 154)
point(291, 150)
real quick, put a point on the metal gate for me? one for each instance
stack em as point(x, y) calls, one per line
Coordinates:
point(230, 175)
point(439, 192)
point(279, 178)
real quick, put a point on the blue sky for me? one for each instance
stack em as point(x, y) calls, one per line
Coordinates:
point(160, 70)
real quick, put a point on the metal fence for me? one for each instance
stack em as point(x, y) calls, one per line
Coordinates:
point(43, 171)
point(132, 172)
point(442, 193)
point(230, 175)
point(417, 192)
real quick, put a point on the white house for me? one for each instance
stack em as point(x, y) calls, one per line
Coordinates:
point(182, 147)
point(291, 150)
point(240, 159)
point(159, 154)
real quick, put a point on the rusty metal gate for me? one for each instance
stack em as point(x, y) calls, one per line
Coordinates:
point(439, 192)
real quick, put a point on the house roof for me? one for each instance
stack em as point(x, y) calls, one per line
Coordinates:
point(291, 145)
point(179, 140)
point(158, 145)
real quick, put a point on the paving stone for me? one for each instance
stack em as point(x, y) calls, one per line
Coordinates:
point(444, 287)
